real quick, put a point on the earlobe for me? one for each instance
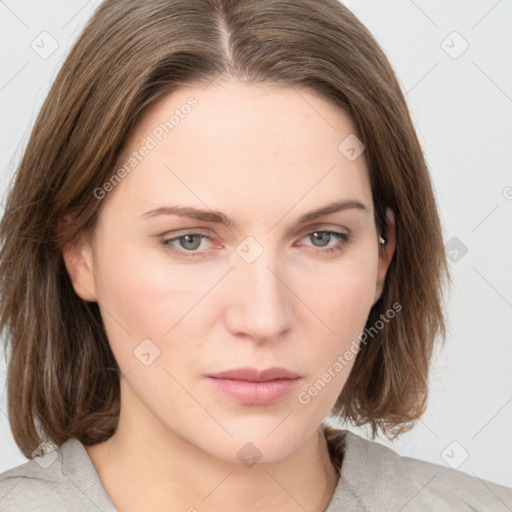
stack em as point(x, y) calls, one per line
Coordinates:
point(386, 252)
point(78, 259)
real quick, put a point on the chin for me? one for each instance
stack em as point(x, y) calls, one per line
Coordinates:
point(249, 453)
point(256, 441)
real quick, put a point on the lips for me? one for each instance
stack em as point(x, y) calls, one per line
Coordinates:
point(254, 375)
point(250, 386)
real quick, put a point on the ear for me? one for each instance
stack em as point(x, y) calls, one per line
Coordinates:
point(79, 261)
point(385, 253)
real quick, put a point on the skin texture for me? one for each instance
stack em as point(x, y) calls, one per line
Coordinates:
point(264, 156)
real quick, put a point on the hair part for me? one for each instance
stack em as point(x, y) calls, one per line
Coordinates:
point(63, 379)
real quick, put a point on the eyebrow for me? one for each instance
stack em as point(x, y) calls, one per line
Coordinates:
point(220, 218)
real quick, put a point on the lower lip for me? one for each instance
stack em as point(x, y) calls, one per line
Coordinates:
point(255, 393)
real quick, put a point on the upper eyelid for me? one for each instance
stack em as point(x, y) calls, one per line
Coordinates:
point(202, 231)
point(302, 234)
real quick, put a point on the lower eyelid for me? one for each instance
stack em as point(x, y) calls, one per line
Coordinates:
point(342, 238)
point(167, 242)
point(335, 234)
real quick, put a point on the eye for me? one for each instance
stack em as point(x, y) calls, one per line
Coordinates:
point(323, 238)
point(187, 244)
point(191, 244)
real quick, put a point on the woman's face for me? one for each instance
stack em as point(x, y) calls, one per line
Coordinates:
point(246, 279)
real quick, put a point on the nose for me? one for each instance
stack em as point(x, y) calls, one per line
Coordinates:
point(259, 298)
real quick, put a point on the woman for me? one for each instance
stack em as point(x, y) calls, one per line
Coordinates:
point(223, 229)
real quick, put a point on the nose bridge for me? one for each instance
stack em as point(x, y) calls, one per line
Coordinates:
point(260, 304)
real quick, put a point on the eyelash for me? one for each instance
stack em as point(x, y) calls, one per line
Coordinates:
point(167, 243)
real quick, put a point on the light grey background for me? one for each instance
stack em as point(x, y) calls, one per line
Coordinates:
point(461, 102)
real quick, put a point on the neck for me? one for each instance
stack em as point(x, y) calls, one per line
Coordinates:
point(163, 471)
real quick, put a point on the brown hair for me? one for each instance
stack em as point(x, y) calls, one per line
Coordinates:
point(63, 380)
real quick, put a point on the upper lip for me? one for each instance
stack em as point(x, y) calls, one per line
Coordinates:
point(255, 375)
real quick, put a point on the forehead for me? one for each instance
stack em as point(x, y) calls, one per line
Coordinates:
point(247, 112)
point(240, 144)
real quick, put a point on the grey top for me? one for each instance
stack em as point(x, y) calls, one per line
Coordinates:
point(373, 478)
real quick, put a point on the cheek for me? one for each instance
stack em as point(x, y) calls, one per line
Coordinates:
point(144, 291)
point(341, 294)
point(144, 297)
point(341, 299)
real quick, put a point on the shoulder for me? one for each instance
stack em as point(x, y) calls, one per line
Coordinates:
point(61, 479)
point(381, 479)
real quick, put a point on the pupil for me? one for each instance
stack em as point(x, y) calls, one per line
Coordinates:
point(187, 241)
point(322, 236)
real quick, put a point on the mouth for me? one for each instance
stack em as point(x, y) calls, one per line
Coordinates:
point(251, 386)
